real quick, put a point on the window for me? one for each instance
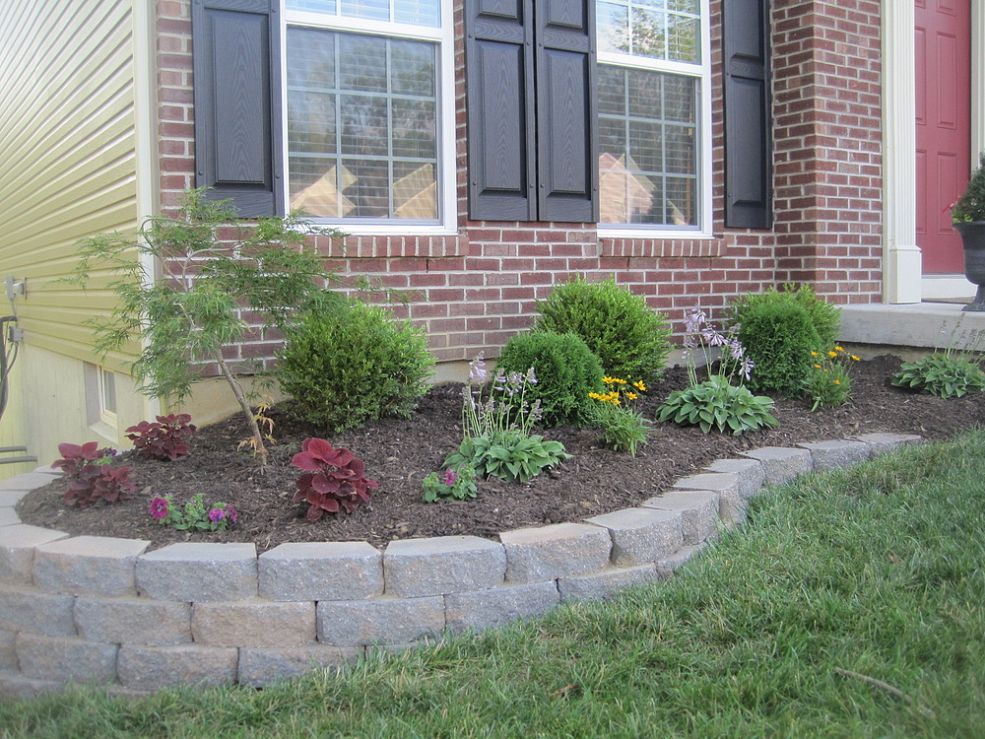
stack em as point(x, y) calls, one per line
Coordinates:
point(369, 139)
point(653, 134)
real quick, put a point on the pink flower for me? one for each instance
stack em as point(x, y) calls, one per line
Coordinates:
point(451, 477)
point(216, 515)
point(231, 515)
point(159, 508)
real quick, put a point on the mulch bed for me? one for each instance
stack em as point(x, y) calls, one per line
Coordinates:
point(400, 452)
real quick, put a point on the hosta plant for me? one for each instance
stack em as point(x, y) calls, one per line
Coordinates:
point(333, 479)
point(457, 483)
point(508, 455)
point(194, 515)
point(717, 403)
point(164, 439)
point(91, 477)
point(944, 374)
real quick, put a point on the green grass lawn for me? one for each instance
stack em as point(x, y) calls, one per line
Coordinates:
point(876, 570)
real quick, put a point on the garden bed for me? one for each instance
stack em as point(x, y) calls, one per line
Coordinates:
point(400, 452)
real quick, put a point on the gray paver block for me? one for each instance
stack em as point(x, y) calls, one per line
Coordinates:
point(750, 472)
point(262, 667)
point(486, 609)
point(25, 482)
point(698, 509)
point(441, 565)
point(153, 668)
point(8, 654)
point(199, 572)
point(605, 584)
point(17, 545)
point(60, 658)
point(26, 609)
point(832, 454)
point(667, 566)
point(880, 443)
point(321, 571)
point(138, 621)
point(641, 535)
point(254, 624)
point(731, 504)
point(782, 464)
point(8, 516)
point(15, 685)
point(559, 550)
point(380, 621)
point(93, 565)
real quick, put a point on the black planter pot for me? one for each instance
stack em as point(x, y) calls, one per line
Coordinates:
point(973, 236)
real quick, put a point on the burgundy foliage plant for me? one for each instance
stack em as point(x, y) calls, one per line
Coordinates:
point(164, 439)
point(90, 475)
point(333, 479)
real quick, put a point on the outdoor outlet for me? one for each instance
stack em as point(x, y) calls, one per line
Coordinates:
point(15, 334)
point(15, 287)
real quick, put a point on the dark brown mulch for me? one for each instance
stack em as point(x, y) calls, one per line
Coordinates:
point(399, 453)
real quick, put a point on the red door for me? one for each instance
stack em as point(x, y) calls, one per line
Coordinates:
point(943, 102)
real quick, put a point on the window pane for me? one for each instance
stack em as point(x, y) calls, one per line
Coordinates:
point(415, 12)
point(649, 36)
point(612, 22)
point(362, 125)
point(317, 6)
point(683, 35)
point(648, 161)
point(378, 10)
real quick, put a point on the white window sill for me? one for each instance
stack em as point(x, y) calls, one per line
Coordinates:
point(383, 229)
point(638, 233)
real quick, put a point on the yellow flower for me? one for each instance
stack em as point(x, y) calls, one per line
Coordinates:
point(832, 354)
point(839, 348)
point(632, 396)
point(608, 380)
point(856, 358)
point(817, 366)
point(836, 381)
point(640, 385)
point(813, 354)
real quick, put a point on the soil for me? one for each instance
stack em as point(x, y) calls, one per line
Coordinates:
point(400, 452)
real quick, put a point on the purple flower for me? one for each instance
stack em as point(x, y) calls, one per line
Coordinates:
point(693, 320)
point(735, 347)
point(477, 370)
point(746, 368)
point(159, 508)
point(531, 376)
point(216, 515)
point(451, 477)
point(231, 515)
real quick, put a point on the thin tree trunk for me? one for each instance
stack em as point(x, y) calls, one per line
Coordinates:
point(259, 446)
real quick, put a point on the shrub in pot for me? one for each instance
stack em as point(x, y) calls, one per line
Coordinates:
point(968, 216)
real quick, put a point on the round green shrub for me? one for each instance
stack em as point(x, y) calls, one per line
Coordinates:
point(353, 364)
point(631, 340)
point(566, 370)
point(825, 317)
point(779, 337)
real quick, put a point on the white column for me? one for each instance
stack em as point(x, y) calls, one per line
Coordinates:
point(902, 264)
point(977, 81)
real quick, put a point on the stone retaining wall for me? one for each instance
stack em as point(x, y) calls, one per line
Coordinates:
point(103, 610)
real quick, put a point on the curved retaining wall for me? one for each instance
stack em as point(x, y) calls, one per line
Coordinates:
point(103, 610)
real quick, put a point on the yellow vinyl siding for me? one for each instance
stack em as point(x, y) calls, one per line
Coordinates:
point(67, 159)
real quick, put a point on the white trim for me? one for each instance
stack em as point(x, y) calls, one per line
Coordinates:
point(701, 72)
point(902, 260)
point(446, 133)
point(947, 287)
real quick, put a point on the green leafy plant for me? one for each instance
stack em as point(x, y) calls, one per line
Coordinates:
point(212, 269)
point(457, 483)
point(353, 363)
point(716, 403)
point(629, 338)
point(508, 455)
point(623, 429)
point(825, 317)
point(828, 382)
point(496, 426)
point(970, 207)
point(194, 515)
point(778, 336)
point(565, 368)
point(943, 374)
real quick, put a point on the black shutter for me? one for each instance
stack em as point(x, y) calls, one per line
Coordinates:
point(567, 147)
point(500, 95)
point(748, 134)
point(237, 102)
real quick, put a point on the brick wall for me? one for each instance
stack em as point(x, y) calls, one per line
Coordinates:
point(474, 290)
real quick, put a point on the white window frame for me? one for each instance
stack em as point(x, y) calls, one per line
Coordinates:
point(702, 73)
point(444, 37)
point(107, 416)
